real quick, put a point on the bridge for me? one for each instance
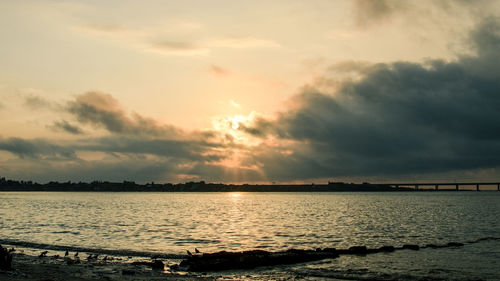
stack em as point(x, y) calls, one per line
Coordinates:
point(436, 185)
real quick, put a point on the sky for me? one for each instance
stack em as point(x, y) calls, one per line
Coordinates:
point(250, 91)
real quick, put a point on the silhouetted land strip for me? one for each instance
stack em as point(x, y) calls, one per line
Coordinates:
point(201, 186)
point(130, 186)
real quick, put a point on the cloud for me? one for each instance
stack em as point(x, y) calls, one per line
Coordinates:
point(138, 170)
point(118, 32)
point(242, 42)
point(235, 104)
point(169, 47)
point(137, 147)
point(128, 158)
point(218, 70)
point(176, 48)
point(36, 102)
point(368, 12)
point(103, 111)
point(171, 39)
point(192, 150)
point(36, 148)
point(153, 39)
point(486, 38)
point(398, 118)
point(218, 173)
point(65, 126)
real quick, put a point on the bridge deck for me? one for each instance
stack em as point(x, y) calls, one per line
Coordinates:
point(437, 184)
point(442, 183)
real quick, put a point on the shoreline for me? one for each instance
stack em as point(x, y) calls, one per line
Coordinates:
point(44, 265)
point(54, 266)
point(40, 264)
point(100, 251)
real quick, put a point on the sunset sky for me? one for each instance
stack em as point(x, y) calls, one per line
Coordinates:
point(249, 91)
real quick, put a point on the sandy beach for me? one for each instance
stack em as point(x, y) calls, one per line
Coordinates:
point(54, 267)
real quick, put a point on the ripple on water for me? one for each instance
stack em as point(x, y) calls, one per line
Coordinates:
point(217, 221)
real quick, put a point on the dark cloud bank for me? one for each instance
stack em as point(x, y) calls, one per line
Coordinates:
point(103, 111)
point(36, 149)
point(398, 119)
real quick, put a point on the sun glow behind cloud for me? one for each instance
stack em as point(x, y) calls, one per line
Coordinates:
point(231, 127)
point(241, 145)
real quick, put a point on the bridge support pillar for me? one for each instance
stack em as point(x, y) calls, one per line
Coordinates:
point(477, 186)
point(436, 187)
point(498, 186)
point(456, 187)
point(416, 187)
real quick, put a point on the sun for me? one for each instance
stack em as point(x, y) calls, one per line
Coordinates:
point(235, 121)
point(233, 125)
point(231, 129)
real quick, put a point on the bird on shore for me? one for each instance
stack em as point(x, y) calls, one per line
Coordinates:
point(43, 254)
point(92, 256)
point(76, 254)
point(189, 253)
point(66, 253)
point(196, 251)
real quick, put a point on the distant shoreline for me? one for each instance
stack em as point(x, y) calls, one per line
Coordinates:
point(201, 186)
point(210, 188)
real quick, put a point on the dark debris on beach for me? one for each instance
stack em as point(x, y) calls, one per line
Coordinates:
point(250, 259)
point(5, 258)
point(47, 265)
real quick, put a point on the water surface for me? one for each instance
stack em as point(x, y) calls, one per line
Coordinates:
point(174, 222)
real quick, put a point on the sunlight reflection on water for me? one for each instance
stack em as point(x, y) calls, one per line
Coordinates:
point(173, 222)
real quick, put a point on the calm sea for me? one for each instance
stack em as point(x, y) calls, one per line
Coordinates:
point(171, 223)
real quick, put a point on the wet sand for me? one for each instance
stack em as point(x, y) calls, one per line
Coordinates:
point(29, 267)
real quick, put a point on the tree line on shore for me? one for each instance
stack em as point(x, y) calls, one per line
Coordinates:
point(200, 186)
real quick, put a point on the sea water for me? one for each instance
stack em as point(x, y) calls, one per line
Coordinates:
point(171, 223)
